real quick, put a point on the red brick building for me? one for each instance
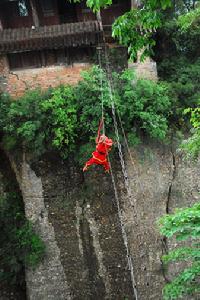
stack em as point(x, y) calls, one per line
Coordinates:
point(48, 42)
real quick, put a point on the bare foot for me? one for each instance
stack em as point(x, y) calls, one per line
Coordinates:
point(85, 168)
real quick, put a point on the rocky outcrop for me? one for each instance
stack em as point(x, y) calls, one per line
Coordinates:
point(78, 219)
point(160, 181)
point(83, 213)
point(48, 280)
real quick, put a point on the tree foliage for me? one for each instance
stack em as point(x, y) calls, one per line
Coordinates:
point(66, 117)
point(184, 224)
point(23, 122)
point(135, 28)
point(177, 55)
point(61, 109)
point(189, 20)
point(20, 245)
point(192, 145)
point(145, 106)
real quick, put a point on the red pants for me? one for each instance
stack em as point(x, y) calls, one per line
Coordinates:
point(95, 160)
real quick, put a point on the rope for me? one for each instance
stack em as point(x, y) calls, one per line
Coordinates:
point(125, 239)
point(124, 171)
point(101, 84)
point(126, 181)
point(122, 161)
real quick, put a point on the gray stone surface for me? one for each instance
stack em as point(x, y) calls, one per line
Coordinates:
point(48, 280)
point(86, 225)
point(160, 181)
point(77, 218)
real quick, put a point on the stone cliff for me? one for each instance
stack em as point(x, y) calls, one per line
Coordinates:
point(77, 218)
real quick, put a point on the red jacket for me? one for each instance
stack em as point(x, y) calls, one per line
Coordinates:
point(102, 148)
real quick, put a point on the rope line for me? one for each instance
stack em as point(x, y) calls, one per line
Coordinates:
point(126, 181)
point(123, 166)
point(101, 84)
point(122, 161)
point(124, 235)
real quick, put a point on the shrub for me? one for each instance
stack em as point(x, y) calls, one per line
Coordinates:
point(20, 245)
point(67, 117)
point(89, 93)
point(184, 225)
point(25, 123)
point(192, 145)
point(60, 110)
point(145, 106)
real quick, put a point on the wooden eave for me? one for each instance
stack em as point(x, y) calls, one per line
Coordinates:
point(50, 37)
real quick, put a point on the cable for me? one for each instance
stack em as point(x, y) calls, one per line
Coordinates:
point(124, 171)
point(101, 84)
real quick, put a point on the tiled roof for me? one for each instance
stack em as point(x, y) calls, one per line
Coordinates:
point(50, 37)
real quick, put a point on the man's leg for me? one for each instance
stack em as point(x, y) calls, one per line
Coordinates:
point(88, 164)
point(106, 166)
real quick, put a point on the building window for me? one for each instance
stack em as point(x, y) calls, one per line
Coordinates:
point(36, 59)
point(50, 57)
point(24, 60)
point(47, 7)
point(22, 8)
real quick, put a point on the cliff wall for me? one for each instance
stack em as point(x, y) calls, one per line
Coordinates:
point(77, 217)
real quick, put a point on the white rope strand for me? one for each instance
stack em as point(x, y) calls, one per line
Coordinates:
point(101, 84)
point(124, 235)
point(126, 180)
point(124, 171)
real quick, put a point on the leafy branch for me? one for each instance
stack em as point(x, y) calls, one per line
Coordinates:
point(183, 224)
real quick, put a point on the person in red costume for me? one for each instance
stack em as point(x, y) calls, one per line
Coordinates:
point(99, 157)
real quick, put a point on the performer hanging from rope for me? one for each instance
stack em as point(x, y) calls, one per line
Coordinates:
point(103, 146)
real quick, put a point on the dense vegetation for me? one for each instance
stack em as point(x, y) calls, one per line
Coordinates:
point(20, 245)
point(66, 118)
point(178, 57)
point(170, 30)
point(134, 29)
point(184, 224)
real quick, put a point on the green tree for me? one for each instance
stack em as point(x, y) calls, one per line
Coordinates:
point(189, 20)
point(135, 29)
point(40, 121)
point(184, 225)
point(177, 55)
point(66, 118)
point(25, 123)
point(144, 106)
point(20, 245)
point(192, 145)
point(61, 116)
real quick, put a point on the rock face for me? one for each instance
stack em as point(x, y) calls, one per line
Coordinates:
point(48, 281)
point(160, 181)
point(77, 217)
point(84, 216)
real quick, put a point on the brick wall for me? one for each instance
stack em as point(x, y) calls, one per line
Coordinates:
point(3, 72)
point(17, 82)
point(4, 69)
